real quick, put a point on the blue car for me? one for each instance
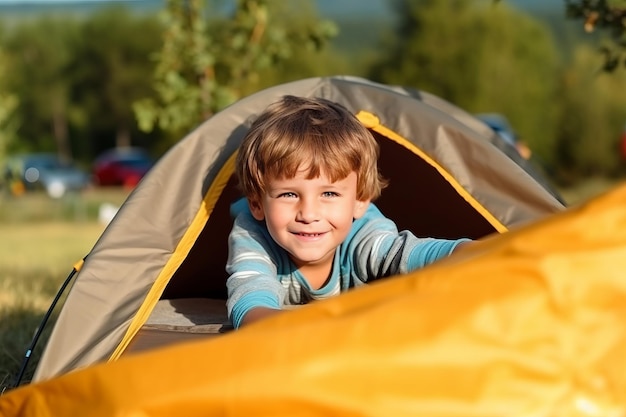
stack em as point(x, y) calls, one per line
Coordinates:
point(45, 171)
point(500, 124)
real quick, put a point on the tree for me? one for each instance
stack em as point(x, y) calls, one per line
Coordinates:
point(77, 77)
point(481, 58)
point(295, 48)
point(604, 15)
point(205, 65)
point(109, 68)
point(8, 104)
point(39, 57)
point(609, 15)
point(591, 117)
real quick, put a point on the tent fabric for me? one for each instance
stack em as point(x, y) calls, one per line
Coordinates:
point(529, 322)
point(168, 240)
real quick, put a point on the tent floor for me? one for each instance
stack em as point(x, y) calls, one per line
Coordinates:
point(180, 320)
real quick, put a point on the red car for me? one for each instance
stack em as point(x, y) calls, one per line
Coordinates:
point(121, 166)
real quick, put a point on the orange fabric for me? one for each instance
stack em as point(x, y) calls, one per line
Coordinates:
point(528, 323)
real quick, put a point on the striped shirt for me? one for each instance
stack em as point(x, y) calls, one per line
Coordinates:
point(261, 274)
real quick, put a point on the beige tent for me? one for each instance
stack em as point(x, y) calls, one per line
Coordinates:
point(157, 275)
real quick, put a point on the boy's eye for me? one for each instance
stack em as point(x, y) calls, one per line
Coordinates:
point(330, 194)
point(288, 195)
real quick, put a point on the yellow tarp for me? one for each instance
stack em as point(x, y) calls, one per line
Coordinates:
point(529, 323)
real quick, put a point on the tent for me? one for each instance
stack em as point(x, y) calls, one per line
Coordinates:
point(156, 274)
point(525, 323)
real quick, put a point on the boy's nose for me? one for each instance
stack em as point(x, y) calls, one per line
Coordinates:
point(308, 211)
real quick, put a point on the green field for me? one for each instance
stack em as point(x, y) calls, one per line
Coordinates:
point(40, 241)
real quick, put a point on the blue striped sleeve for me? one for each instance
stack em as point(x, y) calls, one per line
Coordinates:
point(431, 250)
point(253, 300)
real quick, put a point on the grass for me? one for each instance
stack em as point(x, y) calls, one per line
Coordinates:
point(35, 258)
point(41, 240)
point(38, 207)
point(588, 190)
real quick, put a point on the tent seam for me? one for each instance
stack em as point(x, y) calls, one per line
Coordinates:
point(371, 121)
point(178, 256)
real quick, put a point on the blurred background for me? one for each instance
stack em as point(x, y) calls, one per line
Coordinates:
point(92, 93)
point(81, 80)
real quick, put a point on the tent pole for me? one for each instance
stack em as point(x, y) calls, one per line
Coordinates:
point(39, 331)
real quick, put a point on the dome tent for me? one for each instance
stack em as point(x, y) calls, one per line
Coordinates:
point(156, 275)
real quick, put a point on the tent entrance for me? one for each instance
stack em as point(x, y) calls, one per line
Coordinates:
point(418, 198)
point(180, 320)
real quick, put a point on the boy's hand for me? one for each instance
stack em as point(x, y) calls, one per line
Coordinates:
point(257, 314)
point(462, 245)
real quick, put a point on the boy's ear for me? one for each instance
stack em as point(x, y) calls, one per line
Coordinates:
point(256, 208)
point(360, 208)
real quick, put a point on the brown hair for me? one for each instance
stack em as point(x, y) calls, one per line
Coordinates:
point(313, 133)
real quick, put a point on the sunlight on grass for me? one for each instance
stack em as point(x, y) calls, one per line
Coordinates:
point(16, 292)
point(588, 189)
point(50, 247)
point(35, 258)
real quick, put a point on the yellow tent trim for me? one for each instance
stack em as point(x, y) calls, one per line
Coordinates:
point(179, 255)
point(372, 122)
point(79, 265)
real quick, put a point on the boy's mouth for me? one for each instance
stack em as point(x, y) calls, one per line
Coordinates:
point(307, 234)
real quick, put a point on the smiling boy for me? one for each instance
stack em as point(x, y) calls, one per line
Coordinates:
point(307, 228)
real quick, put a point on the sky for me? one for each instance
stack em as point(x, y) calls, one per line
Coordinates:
point(352, 8)
point(12, 2)
point(54, 1)
point(361, 3)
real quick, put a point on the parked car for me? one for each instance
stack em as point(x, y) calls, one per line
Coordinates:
point(500, 124)
point(45, 171)
point(121, 166)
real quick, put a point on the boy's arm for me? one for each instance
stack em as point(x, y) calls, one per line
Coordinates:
point(391, 252)
point(253, 283)
point(463, 245)
point(258, 313)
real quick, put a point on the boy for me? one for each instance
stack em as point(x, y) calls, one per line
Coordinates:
point(307, 229)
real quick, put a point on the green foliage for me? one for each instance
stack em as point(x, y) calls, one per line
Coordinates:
point(426, 52)
point(183, 81)
point(289, 44)
point(592, 116)
point(80, 83)
point(305, 51)
point(480, 57)
point(38, 57)
point(204, 67)
point(76, 79)
point(517, 73)
point(606, 15)
point(8, 104)
point(118, 47)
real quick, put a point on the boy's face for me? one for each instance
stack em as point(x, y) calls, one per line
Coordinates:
point(309, 218)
